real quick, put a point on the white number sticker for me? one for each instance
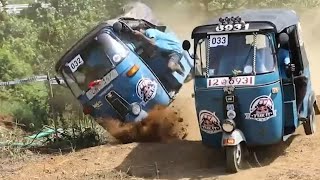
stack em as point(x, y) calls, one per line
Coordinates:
point(236, 81)
point(218, 40)
point(230, 27)
point(75, 63)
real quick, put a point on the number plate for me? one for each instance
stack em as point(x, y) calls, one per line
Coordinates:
point(105, 81)
point(236, 81)
point(75, 63)
point(232, 27)
point(218, 40)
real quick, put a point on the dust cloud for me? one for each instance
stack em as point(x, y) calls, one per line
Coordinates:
point(181, 19)
point(310, 28)
point(162, 125)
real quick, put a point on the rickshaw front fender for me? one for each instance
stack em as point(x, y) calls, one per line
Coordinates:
point(233, 138)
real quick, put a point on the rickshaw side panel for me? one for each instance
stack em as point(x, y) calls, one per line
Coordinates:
point(159, 61)
point(308, 100)
point(186, 61)
point(300, 59)
point(291, 120)
point(187, 64)
point(159, 66)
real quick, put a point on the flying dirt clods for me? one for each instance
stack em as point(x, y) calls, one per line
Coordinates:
point(162, 125)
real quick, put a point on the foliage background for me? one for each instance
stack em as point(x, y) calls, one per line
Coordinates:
point(31, 43)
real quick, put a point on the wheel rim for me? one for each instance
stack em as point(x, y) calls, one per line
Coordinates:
point(238, 154)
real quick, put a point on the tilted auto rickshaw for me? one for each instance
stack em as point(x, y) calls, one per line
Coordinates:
point(246, 93)
point(108, 72)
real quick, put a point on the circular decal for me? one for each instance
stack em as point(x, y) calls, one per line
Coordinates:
point(146, 89)
point(261, 109)
point(209, 122)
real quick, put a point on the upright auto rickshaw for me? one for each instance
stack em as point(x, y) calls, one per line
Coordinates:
point(246, 93)
point(107, 72)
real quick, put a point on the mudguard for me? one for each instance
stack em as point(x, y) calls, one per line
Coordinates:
point(237, 135)
point(313, 103)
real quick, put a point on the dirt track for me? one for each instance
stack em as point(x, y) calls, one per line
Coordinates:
point(295, 159)
point(176, 160)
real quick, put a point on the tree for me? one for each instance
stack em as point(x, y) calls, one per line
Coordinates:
point(220, 6)
point(3, 3)
point(33, 41)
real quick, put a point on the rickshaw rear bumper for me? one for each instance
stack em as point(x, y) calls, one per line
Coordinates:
point(233, 138)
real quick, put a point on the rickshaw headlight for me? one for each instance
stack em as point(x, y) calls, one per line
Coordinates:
point(228, 125)
point(135, 109)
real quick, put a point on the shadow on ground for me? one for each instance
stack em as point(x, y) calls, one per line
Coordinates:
point(268, 154)
point(187, 159)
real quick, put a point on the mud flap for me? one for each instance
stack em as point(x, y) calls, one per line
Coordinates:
point(232, 139)
point(316, 108)
point(313, 103)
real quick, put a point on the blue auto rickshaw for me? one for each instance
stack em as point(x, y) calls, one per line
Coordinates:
point(245, 94)
point(107, 72)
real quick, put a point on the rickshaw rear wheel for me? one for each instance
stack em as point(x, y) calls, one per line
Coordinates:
point(234, 158)
point(310, 124)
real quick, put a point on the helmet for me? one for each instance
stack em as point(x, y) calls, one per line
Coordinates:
point(283, 40)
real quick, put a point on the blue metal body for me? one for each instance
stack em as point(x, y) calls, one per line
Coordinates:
point(256, 133)
point(275, 85)
point(127, 87)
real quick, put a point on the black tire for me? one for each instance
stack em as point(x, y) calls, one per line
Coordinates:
point(310, 124)
point(234, 158)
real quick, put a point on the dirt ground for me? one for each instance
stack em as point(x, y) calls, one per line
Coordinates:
point(298, 158)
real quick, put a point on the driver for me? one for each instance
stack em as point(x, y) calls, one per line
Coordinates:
point(284, 56)
point(164, 42)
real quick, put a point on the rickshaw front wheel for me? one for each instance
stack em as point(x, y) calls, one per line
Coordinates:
point(234, 158)
point(309, 125)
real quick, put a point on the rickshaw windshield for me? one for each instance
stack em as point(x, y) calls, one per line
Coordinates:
point(96, 60)
point(235, 53)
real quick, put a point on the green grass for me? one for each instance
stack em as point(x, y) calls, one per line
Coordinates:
point(21, 112)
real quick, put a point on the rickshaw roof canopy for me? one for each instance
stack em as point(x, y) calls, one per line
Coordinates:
point(280, 18)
